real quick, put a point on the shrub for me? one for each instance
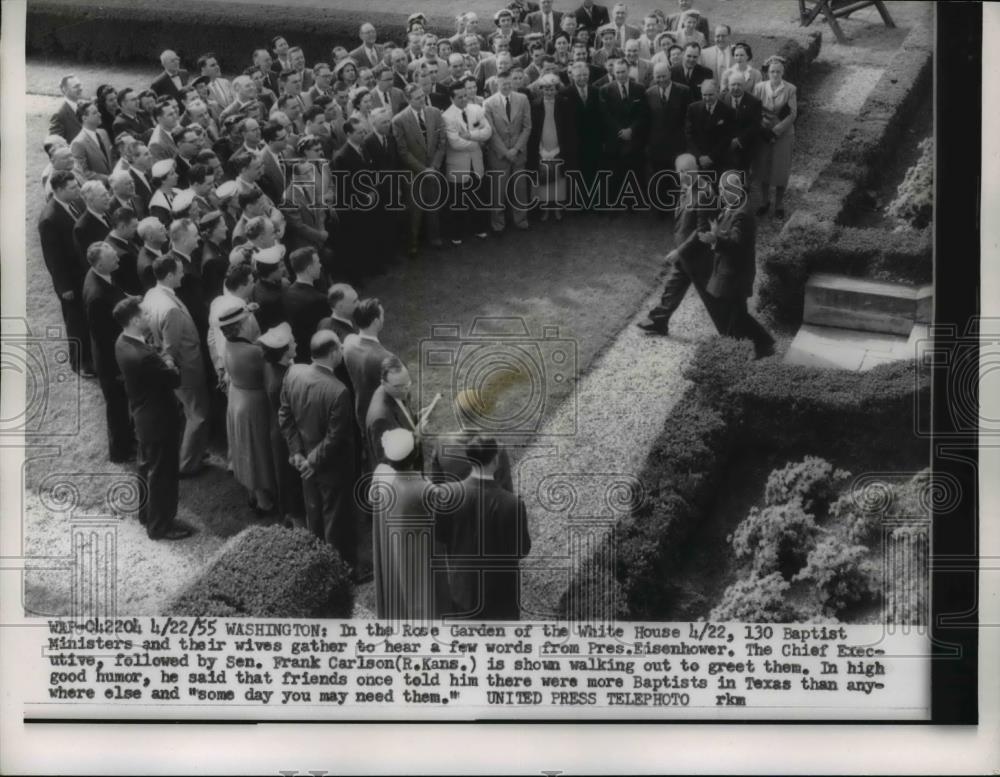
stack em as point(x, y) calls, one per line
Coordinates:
point(841, 574)
point(270, 572)
point(914, 203)
point(594, 591)
point(812, 481)
point(776, 538)
point(716, 366)
point(757, 600)
point(859, 526)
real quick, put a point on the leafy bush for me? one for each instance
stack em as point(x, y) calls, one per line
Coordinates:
point(914, 203)
point(757, 600)
point(842, 575)
point(860, 526)
point(270, 572)
point(776, 538)
point(813, 481)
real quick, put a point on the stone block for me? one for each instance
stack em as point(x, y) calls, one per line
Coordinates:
point(855, 303)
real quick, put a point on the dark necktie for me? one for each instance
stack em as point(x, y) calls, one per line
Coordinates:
point(465, 118)
point(623, 91)
point(423, 126)
point(73, 209)
point(506, 105)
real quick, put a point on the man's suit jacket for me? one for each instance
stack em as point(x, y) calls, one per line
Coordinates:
point(465, 155)
point(397, 100)
point(192, 292)
point(144, 268)
point(64, 122)
point(138, 126)
point(99, 299)
point(698, 74)
point(717, 60)
point(593, 19)
point(450, 462)
point(534, 21)
point(89, 229)
point(127, 274)
point(150, 386)
point(384, 413)
point(62, 258)
point(485, 533)
point(340, 328)
point(622, 114)
point(644, 73)
point(734, 259)
point(164, 85)
point(315, 420)
point(272, 182)
point(174, 332)
point(92, 159)
point(360, 56)
point(586, 125)
point(161, 145)
point(664, 134)
point(565, 132)
point(631, 33)
point(746, 128)
point(305, 306)
point(709, 134)
point(691, 217)
point(305, 222)
point(143, 188)
point(508, 134)
point(135, 203)
point(417, 151)
point(363, 358)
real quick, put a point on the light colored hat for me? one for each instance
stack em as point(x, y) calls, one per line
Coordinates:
point(209, 218)
point(279, 336)
point(269, 256)
point(183, 201)
point(607, 28)
point(415, 17)
point(226, 190)
point(240, 254)
point(232, 311)
point(501, 13)
point(397, 444)
point(162, 168)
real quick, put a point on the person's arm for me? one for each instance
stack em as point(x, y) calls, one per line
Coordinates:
point(523, 535)
point(483, 133)
point(455, 140)
point(159, 373)
point(171, 332)
point(286, 422)
point(521, 145)
point(496, 142)
point(59, 266)
point(782, 126)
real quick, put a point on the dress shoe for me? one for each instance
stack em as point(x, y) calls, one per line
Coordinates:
point(654, 327)
point(87, 373)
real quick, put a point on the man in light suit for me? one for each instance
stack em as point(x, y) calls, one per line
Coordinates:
point(545, 20)
point(93, 152)
point(390, 409)
point(639, 70)
point(219, 87)
point(510, 116)
point(369, 53)
point(174, 332)
point(316, 421)
point(64, 121)
point(421, 142)
point(363, 355)
point(485, 532)
point(150, 379)
point(161, 142)
point(467, 129)
point(386, 95)
point(718, 58)
point(173, 79)
point(624, 32)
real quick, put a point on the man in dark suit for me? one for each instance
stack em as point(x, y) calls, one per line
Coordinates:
point(485, 533)
point(272, 181)
point(369, 53)
point(688, 262)
point(100, 296)
point(420, 141)
point(732, 238)
point(380, 147)
point(63, 260)
point(130, 119)
point(172, 79)
point(545, 21)
point(364, 354)
point(689, 72)
point(150, 379)
point(343, 300)
point(305, 305)
point(153, 235)
point(124, 224)
point(389, 409)
point(590, 16)
point(92, 226)
point(316, 421)
point(708, 128)
point(746, 123)
point(579, 106)
point(64, 121)
point(666, 109)
point(354, 213)
point(622, 106)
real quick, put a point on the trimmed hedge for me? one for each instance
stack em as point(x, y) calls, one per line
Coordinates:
point(810, 246)
point(121, 31)
point(733, 402)
point(270, 572)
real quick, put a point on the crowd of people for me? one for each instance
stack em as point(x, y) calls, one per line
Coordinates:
point(206, 242)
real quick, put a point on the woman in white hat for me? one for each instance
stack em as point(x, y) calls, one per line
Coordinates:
point(403, 534)
point(278, 347)
point(164, 183)
point(248, 412)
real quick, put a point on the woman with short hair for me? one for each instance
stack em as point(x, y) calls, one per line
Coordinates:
point(774, 160)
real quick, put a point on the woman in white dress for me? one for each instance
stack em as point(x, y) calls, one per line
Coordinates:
point(774, 161)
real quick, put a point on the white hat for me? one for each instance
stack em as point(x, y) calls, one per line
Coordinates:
point(182, 201)
point(397, 444)
point(271, 255)
point(279, 336)
point(226, 190)
point(240, 253)
point(232, 311)
point(162, 168)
